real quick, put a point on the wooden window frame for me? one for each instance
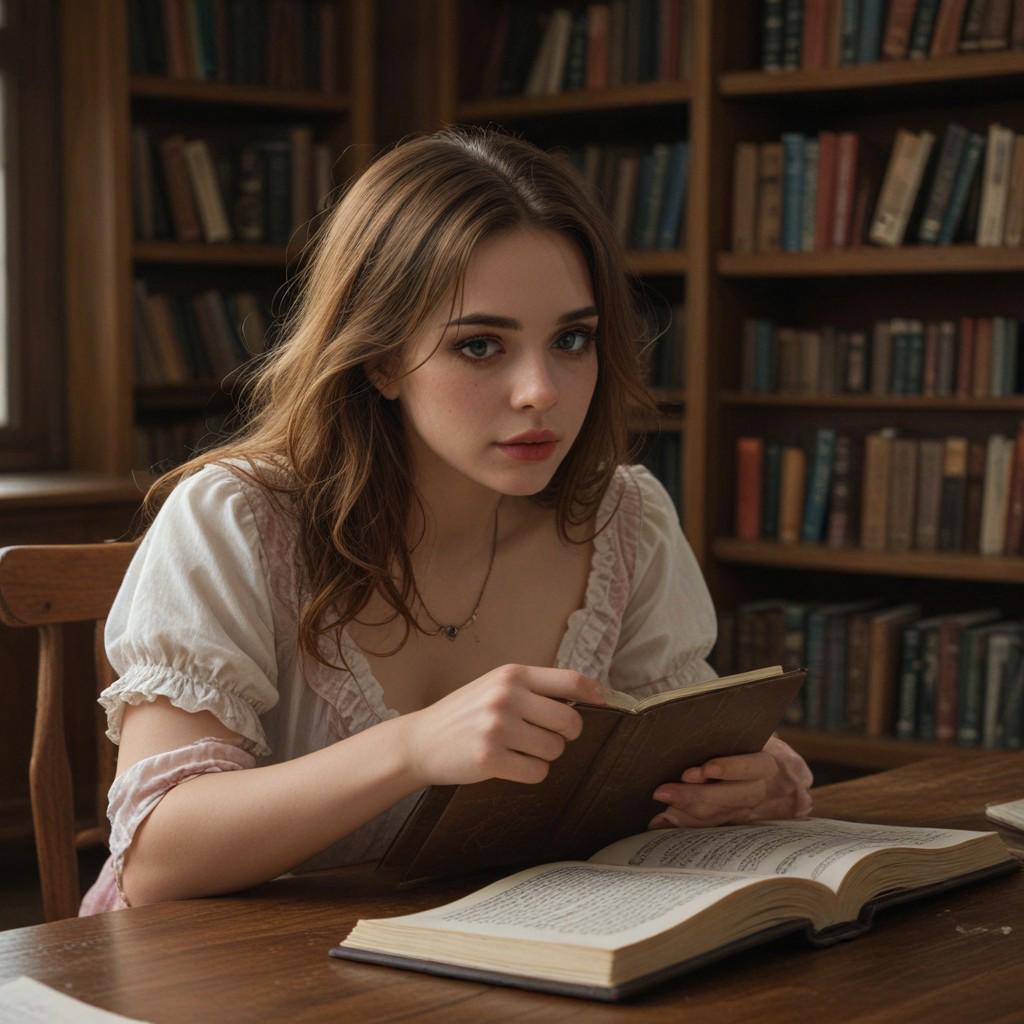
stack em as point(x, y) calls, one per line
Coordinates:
point(29, 61)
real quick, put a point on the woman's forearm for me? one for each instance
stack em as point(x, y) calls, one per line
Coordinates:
point(228, 830)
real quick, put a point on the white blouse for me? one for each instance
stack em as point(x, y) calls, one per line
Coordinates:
point(207, 616)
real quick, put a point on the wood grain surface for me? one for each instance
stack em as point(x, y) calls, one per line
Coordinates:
point(262, 955)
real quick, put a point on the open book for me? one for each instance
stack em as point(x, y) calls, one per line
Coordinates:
point(602, 786)
point(652, 906)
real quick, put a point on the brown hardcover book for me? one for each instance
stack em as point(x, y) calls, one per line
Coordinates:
point(813, 51)
point(598, 16)
point(931, 457)
point(976, 455)
point(950, 630)
point(617, 44)
point(600, 789)
point(884, 666)
point(995, 25)
point(792, 493)
point(841, 524)
point(662, 903)
point(896, 40)
point(671, 22)
point(847, 147)
point(1014, 233)
point(981, 373)
point(303, 203)
point(163, 332)
point(1015, 513)
point(970, 31)
point(881, 349)
point(625, 194)
point(744, 198)
point(769, 197)
point(875, 494)
point(749, 463)
point(902, 494)
point(995, 185)
point(948, 22)
point(954, 493)
point(965, 358)
point(825, 197)
point(174, 37)
point(179, 189)
point(858, 656)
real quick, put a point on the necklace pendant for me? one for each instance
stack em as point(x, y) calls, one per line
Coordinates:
point(451, 632)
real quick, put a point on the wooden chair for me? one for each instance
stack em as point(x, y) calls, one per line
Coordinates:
point(48, 587)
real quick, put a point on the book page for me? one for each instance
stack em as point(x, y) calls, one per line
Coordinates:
point(627, 702)
point(584, 903)
point(24, 1000)
point(820, 849)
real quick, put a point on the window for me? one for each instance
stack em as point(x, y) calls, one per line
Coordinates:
point(31, 377)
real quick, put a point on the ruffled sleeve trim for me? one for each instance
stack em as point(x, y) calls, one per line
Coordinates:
point(593, 630)
point(135, 794)
point(144, 683)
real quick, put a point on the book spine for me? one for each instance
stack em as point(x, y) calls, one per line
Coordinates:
point(771, 489)
point(875, 496)
point(954, 487)
point(948, 22)
point(792, 33)
point(950, 155)
point(896, 41)
point(814, 683)
point(970, 32)
point(840, 522)
point(906, 718)
point(869, 43)
point(924, 27)
point(836, 655)
point(976, 454)
point(995, 187)
point(965, 176)
point(825, 195)
point(969, 690)
point(672, 226)
point(849, 32)
point(946, 687)
point(792, 199)
point(995, 26)
point(815, 45)
point(927, 684)
point(791, 501)
point(809, 193)
point(929, 503)
point(769, 200)
point(749, 462)
point(813, 526)
point(744, 201)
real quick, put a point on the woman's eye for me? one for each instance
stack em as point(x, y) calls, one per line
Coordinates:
point(475, 349)
point(580, 340)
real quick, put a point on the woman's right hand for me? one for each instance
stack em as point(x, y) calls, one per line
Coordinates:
point(508, 724)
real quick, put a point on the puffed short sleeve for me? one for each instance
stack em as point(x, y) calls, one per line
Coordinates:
point(669, 624)
point(192, 621)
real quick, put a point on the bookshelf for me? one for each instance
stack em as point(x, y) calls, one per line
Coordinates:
point(727, 99)
point(106, 95)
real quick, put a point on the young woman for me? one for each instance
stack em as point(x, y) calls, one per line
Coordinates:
point(424, 545)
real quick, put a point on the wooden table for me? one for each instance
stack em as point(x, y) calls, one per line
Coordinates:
point(262, 955)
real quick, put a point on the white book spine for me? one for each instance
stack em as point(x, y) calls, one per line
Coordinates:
point(995, 496)
point(995, 185)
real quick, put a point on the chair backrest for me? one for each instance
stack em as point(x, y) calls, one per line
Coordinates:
point(47, 587)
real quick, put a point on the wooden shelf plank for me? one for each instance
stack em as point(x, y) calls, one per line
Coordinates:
point(876, 753)
point(37, 490)
point(657, 262)
point(243, 254)
point(919, 564)
point(1013, 403)
point(869, 260)
point(882, 75)
point(643, 94)
point(156, 87)
point(197, 395)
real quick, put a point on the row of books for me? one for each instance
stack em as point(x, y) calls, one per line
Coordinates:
point(194, 190)
point(599, 46)
point(818, 34)
point(881, 669)
point(885, 492)
point(161, 446)
point(288, 44)
point(814, 193)
point(974, 357)
point(642, 189)
point(201, 336)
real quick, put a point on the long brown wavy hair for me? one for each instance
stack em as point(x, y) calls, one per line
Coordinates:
point(390, 251)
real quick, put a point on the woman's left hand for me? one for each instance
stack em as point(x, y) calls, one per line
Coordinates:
point(774, 783)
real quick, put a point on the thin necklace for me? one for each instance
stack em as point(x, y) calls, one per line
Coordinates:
point(452, 631)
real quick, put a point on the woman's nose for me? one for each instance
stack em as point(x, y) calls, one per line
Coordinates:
point(534, 386)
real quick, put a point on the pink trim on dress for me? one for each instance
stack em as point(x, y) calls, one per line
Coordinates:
point(133, 796)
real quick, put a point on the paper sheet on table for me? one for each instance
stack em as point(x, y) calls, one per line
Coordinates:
point(24, 1000)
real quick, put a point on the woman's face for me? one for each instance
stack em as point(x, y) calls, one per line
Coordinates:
point(518, 357)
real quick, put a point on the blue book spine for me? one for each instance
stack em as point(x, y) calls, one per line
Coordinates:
point(921, 32)
point(792, 186)
point(970, 691)
point(670, 225)
point(763, 346)
point(869, 43)
point(968, 168)
point(644, 198)
point(906, 717)
point(849, 32)
point(771, 35)
point(915, 360)
point(771, 482)
point(818, 487)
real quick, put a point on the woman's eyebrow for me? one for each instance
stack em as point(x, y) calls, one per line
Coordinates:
point(492, 320)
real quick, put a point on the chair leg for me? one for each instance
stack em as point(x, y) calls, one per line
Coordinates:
point(50, 784)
